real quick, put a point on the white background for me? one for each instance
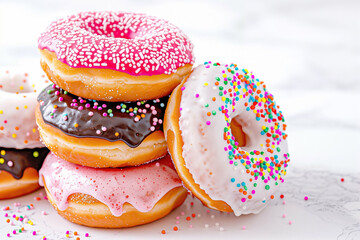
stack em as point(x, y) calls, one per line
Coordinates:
point(308, 53)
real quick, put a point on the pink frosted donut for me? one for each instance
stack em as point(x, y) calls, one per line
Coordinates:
point(18, 99)
point(115, 56)
point(117, 197)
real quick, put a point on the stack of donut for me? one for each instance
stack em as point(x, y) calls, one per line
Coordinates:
point(102, 118)
point(21, 152)
point(103, 121)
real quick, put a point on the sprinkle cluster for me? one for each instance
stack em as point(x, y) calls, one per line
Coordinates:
point(7, 110)
point(268, 162)
point(22, 224)
point(111, 120)
point(133, 43)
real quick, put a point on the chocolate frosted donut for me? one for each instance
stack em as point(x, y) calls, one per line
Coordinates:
point(130, 122)
point(15, 161)
point(101, 134)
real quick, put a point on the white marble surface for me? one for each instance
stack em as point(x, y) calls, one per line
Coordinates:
point(307, 51)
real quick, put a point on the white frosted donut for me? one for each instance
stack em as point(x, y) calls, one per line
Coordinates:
point(18, 93)
point(216, 101)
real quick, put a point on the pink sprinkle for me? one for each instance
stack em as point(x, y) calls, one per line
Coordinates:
point(190, 226)
point(86, 235)
point(67, 232)
point(182, 213)
point(34, 233)
point(177, 222)
point(306, 198)
point(14, 232)
point(284, 216)
point(243, 227)
point(182, 88)
point(178, 217)
point(243, 199)
point(8, 235)
point(197, 95)
point(290, 222)
point(208, 122)
point(44, 213)
point(152, 128)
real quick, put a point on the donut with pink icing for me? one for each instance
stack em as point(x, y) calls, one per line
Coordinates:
point(117, 197)
point(227, 138)
point(115, 56)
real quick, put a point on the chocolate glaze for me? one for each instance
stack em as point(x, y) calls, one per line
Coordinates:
point(113, 121)
point(15, 161)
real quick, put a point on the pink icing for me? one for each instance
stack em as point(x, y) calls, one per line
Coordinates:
point(128, 42)
point(141, 186)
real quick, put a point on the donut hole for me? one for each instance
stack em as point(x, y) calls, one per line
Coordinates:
point(111, 26)
point(114, 33)
point(237, 132)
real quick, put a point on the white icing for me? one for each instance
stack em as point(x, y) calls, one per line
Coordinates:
point(203, 149)
point(18, 100)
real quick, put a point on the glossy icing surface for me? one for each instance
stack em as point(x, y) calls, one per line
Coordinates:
point(133, 43)
point(18, 93)
point(141, 186)
point(15, 161)
point(245, 177)
point(130, 122)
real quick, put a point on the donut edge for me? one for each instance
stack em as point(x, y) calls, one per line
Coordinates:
point(90, 216)
point(175, 144)
point(18, 187)
point(153, 147)
point(117, 87)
